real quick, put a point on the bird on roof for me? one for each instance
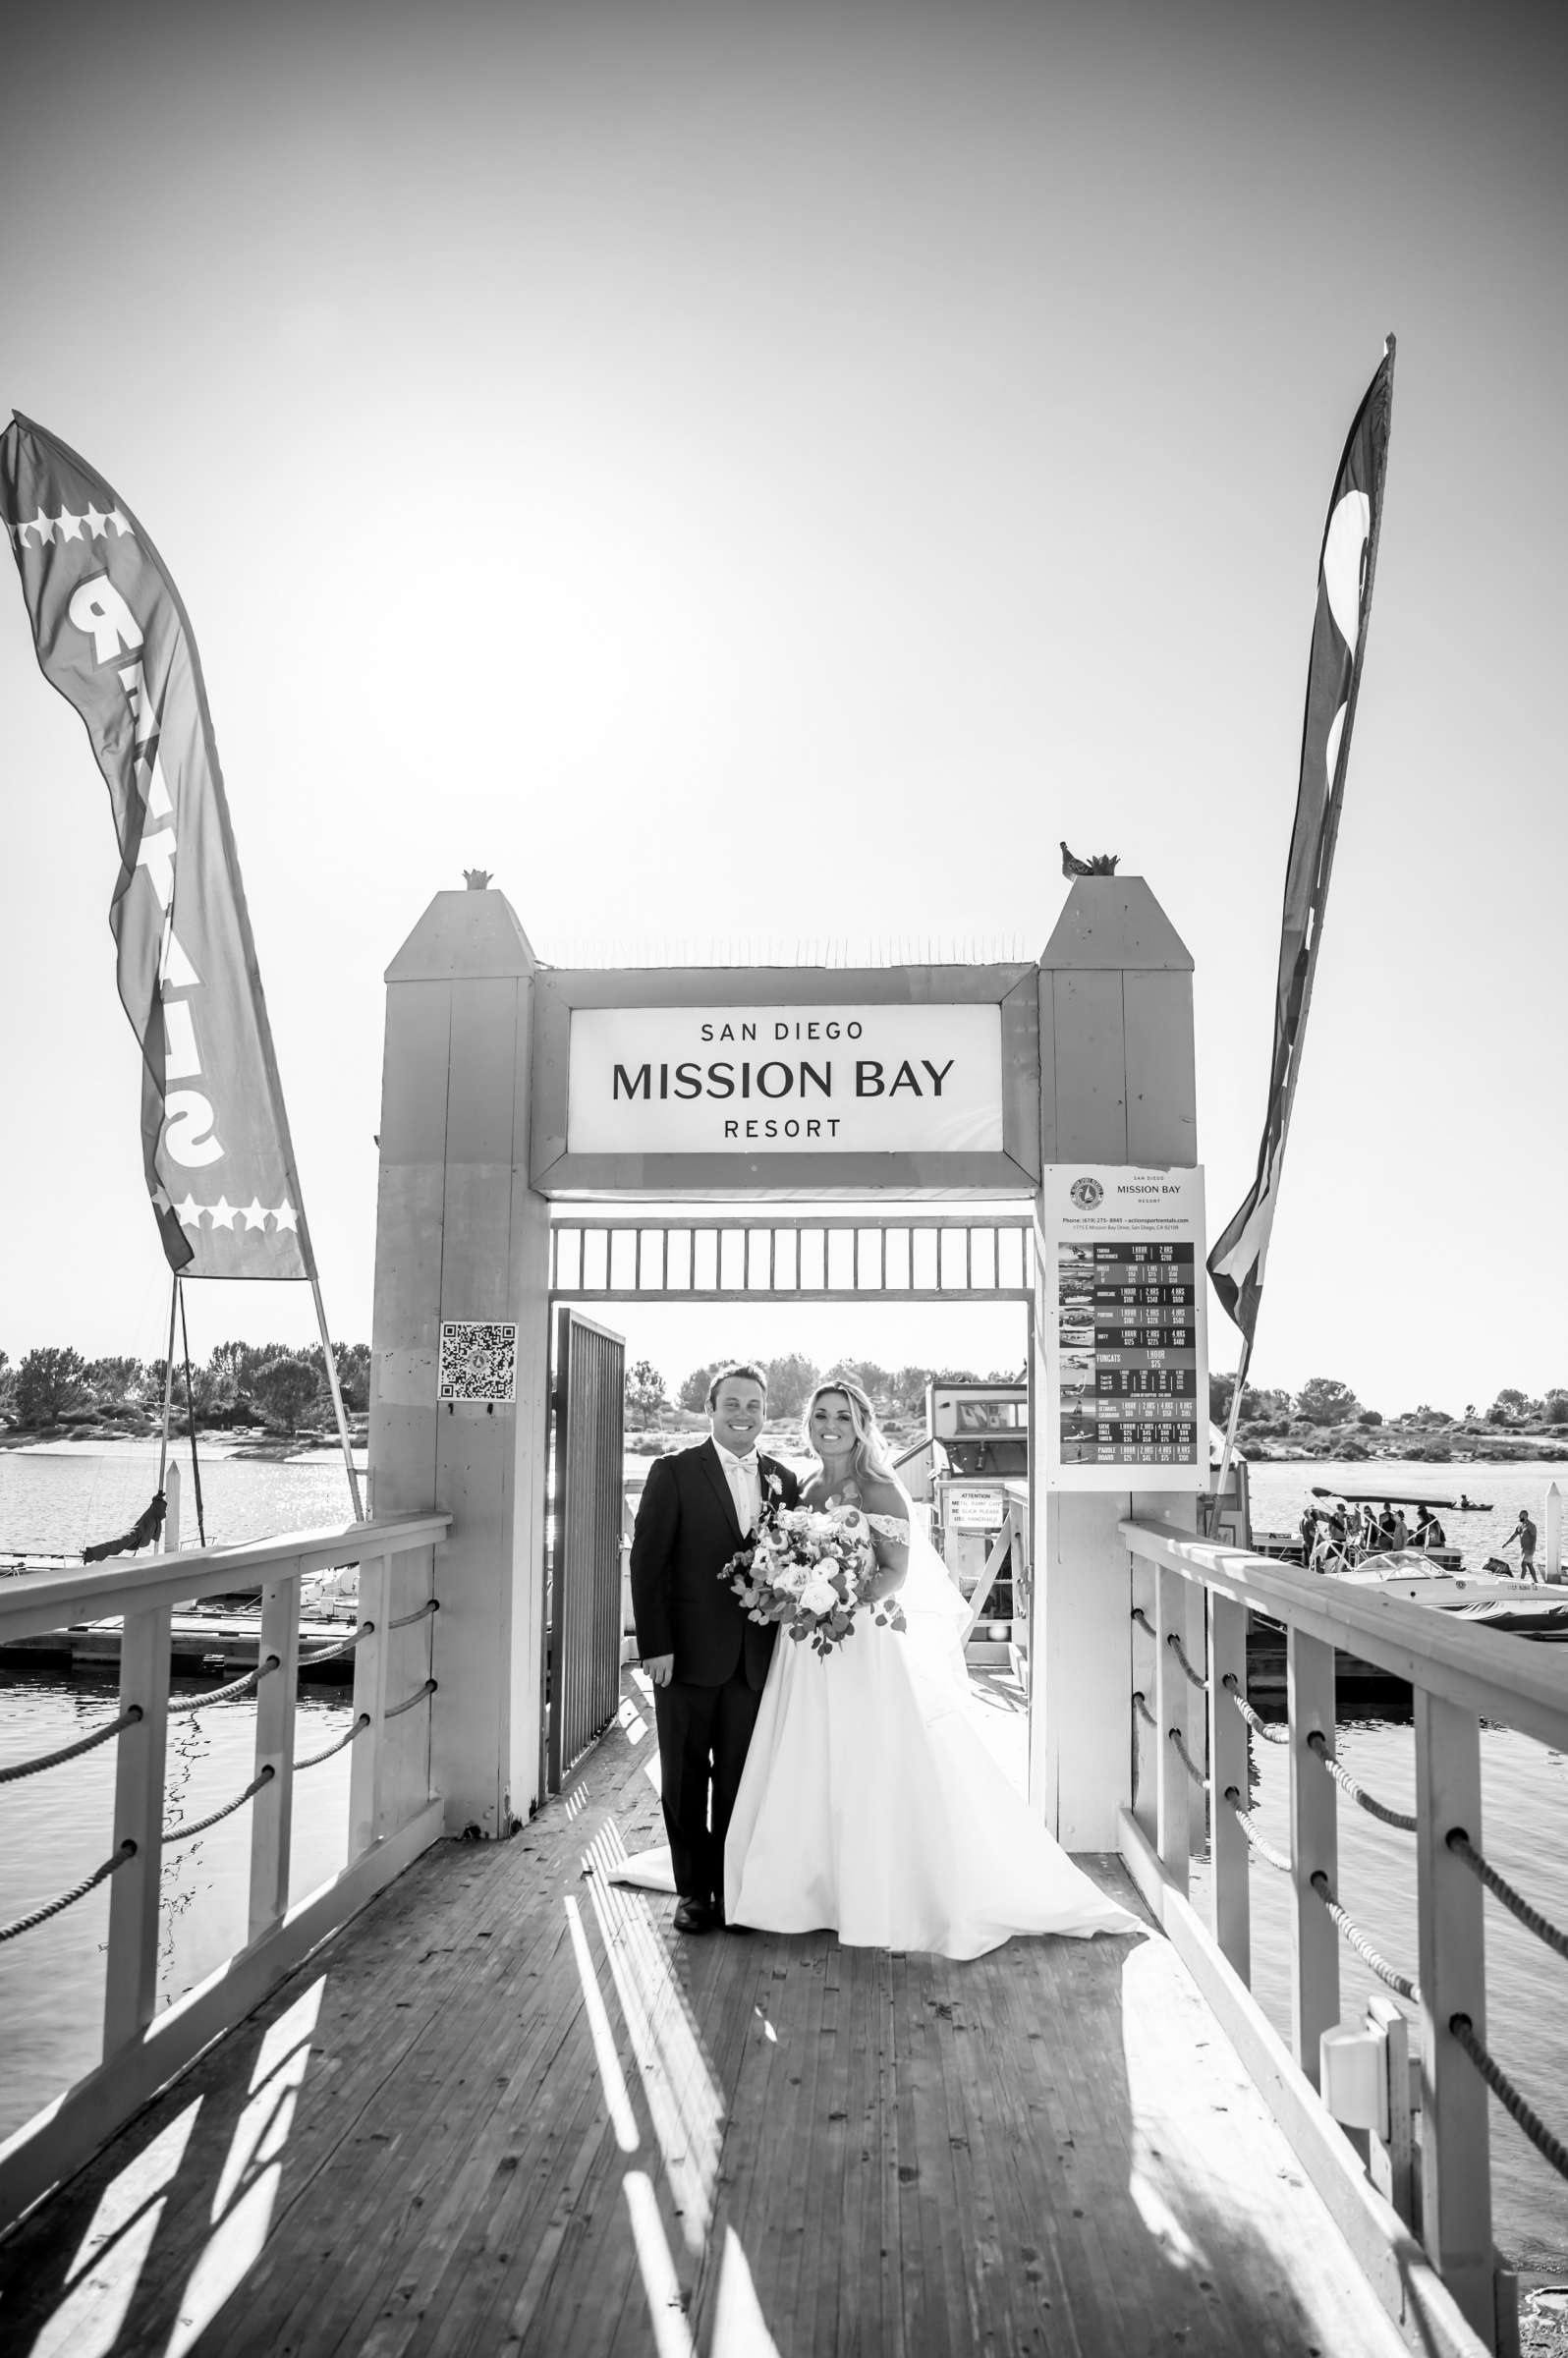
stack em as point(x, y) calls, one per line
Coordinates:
point(1104, 863)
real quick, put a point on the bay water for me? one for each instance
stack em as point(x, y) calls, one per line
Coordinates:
point(55, 1827)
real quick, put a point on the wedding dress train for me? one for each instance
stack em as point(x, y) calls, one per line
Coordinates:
point(871, 1805)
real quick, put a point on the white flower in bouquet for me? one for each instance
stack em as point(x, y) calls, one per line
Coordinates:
point(804, 1572)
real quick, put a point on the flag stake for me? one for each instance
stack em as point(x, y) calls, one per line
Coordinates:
point(168, 1380)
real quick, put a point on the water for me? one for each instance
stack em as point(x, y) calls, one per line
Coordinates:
point(1280, 1495)
point(54, 1829)
point(56, 1499)
point(1525, 1814)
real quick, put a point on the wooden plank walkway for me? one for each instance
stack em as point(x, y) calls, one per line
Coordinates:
point(510, 2111)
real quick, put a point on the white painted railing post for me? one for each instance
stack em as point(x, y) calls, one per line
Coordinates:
point(1455, 2154)
point(1173, 1813)
point(1228, 1759)
point(1314, 1847)
point(369, 1697)
point(131, 1974)
point(272, 1809)
point(1554, 1530)
point(1145, 1682)
point(169, 1543)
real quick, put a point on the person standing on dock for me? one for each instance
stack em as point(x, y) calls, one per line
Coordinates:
point(1524, 1532)
point(706, 1659)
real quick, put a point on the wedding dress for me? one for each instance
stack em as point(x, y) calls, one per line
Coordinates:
point(870, 1804)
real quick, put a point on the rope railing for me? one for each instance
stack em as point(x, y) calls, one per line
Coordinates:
point(69, 1752)
point(1515, 1902)
point(327, 1654)
point(1254, 1840)
point(1144, 1622)
point(67, 1899)
point(236, 1686)
point(1513, 2103)
point(1194, 1678)
point(1259, 1728)
point(1318, 1743)
point(1140, 1706)
point(409, 1701)
point(313, 1759)
point(431, 1605)
point(1198, 1775)
point(1349, 1931)
point(183, 1833)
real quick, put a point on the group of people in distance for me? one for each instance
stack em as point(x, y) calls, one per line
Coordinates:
point(1334, 1537)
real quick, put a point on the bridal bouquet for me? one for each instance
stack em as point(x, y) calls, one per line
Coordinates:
point(812, 1572)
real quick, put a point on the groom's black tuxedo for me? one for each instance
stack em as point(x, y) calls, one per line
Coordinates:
point(686, 1530)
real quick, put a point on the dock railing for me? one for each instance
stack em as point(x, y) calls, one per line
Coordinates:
point(1425, 2197)
point(392, 1814)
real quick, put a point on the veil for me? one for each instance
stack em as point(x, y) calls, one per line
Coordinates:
point(939, 1620)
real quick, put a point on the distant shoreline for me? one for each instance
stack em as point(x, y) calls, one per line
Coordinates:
point(211, 1445)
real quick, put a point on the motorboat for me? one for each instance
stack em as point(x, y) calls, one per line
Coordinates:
point(1493, 1600)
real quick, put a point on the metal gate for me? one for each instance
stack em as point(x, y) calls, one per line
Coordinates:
point(583, 1640)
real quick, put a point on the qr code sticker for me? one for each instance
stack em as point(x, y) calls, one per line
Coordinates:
point(479, 1359)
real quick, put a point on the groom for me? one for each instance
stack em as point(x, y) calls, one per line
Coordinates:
point(707, 1661)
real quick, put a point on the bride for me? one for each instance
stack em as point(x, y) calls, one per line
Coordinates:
point(869, 1803)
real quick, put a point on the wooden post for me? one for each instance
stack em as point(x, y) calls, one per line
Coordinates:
point(371, 1658)
point(169, 1544)
point(1116, 1086)
point(1554, 1530)
point(1455, 2130)
point(272, 1808)
point(1227, 1766)
point(1314, 1847)
point(1144, 1680)
point(461, 1236)
point(1173, 1813)
point(130, 1975)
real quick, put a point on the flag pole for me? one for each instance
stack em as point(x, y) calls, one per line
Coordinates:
point(1231, 1421)
point(337, 1391)
point(168, 1380)
point(307, 1250)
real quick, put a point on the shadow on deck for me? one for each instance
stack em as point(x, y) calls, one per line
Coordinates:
point(509, 2110)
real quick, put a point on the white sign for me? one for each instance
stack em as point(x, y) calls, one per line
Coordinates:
point(1124, 1289)
point(976, 1510)
point(785, 1080)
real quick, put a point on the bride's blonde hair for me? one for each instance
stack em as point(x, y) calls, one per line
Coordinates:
point(870, 1447)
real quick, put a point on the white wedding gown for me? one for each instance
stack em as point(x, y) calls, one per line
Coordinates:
point(871, 1805)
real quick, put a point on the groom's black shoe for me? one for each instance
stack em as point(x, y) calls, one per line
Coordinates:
point(694, 1915)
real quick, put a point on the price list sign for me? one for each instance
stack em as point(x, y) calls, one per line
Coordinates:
point(1123, 1278)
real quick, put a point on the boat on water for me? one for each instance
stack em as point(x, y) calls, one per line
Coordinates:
point(1492, 1600)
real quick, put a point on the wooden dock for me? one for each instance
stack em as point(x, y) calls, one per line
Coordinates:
point(509, 2110)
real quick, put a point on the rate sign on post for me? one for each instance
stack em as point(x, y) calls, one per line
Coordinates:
point(1126, 1362)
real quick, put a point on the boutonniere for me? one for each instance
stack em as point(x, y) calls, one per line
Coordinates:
point(776, 1486)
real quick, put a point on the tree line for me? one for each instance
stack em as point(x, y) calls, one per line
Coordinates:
point(1329, 1400)
point(791, 1381)
point(267, 1385)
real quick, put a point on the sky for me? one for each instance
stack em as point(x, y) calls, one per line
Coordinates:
point(738, 472)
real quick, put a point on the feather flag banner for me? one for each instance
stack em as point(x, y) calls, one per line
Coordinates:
point(111, 635)
point(1333, 679)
